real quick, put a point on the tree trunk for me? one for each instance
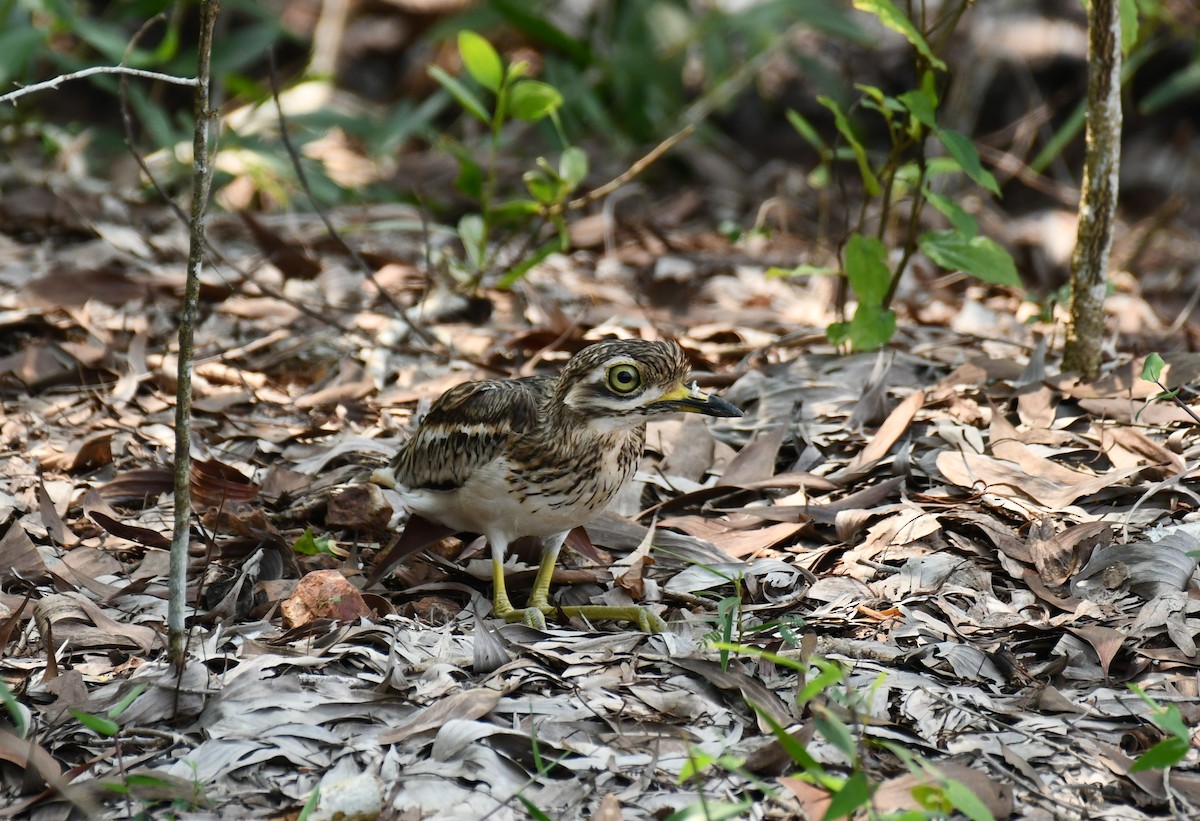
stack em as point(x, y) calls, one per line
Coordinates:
point(1098, 198)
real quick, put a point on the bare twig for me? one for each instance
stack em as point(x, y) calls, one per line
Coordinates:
point(55, 82)
point(631, 172)
point(201, 182)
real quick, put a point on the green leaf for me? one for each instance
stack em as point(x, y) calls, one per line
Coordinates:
point(309, 545)
point(867, 269)
point(533, 100)
point(922, 105)
point(963, 151)
point(541, 186)
point(871, 328)
point(710, 810)
point(978, 256)
point(966, 802)
point(854, 793)
point(1181, 84)
point(1061, 138)
point(963, 222)
point(1129, 24)
point(800, 271)
point(1166, 753)
point(521, 269)
point(471, 234)
point(97, 724)
point(14, 709)
point(515, 211)
point(790, 745)
point(542, 31)
point(887, 13)
point(842, 122)
point(1152, 368)
point(837, 332)
point(804, 129)
point(834, 731)
point(18, 46)
point(114, 712)
point(460, 92)
point(830, 675)
point(481, 60)
point(932, 797)
point(573, 166)
point(1171, 720)
point(534, 812)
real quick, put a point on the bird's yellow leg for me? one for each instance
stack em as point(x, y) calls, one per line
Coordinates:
point(501, 606)
point(539, 596)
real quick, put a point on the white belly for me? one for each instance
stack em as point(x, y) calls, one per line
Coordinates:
point(487, 504)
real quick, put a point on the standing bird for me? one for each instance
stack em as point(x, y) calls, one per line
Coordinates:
point(540, 456)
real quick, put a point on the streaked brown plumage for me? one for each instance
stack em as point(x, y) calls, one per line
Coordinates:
point(540, 456)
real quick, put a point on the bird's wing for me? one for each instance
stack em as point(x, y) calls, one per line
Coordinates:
point(467, 427)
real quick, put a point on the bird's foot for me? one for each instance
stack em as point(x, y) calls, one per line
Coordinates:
point(647, 620)
point(534, 617)
point(536, 613)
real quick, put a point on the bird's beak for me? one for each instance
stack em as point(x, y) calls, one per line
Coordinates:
point(690, 399)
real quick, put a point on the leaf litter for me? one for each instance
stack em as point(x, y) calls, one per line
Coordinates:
point(992, 551)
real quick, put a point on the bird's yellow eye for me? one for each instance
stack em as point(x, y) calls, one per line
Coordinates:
point(624, 378)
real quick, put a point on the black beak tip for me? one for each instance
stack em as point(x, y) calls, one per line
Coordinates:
point(716, 406)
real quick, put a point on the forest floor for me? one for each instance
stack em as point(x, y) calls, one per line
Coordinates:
point(987, 552)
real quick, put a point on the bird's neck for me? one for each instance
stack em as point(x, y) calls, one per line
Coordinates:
point(600, 431)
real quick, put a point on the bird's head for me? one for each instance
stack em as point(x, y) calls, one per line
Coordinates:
point(621, 383)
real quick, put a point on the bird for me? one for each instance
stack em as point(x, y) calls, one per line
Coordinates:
point(539, 456)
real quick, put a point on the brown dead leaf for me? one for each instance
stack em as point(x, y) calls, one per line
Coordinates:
point(756, 694)
point(756, 461)
point(1117, 440)
point(882, 442)
point(690, 451)
point(137, 486)
point(19, 558)
point(247, 521)
point(286, 255)
point(608, 810)
point(55, 527)
point(814, 801)
point(93, 452)
point(467, 705)
point(896, 794)
point(1105, 641)
point(980, 473)
point(96, 509)
point(1058, 557)
point(215, 484)
point(80, 621)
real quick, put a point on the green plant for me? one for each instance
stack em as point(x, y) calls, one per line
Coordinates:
point(905, 172)
point(128, 784)
point(822, 693)
point(1152, 370)
point(1175, 744)
point(512, 95)
point(636, 70)
point(309, 545)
